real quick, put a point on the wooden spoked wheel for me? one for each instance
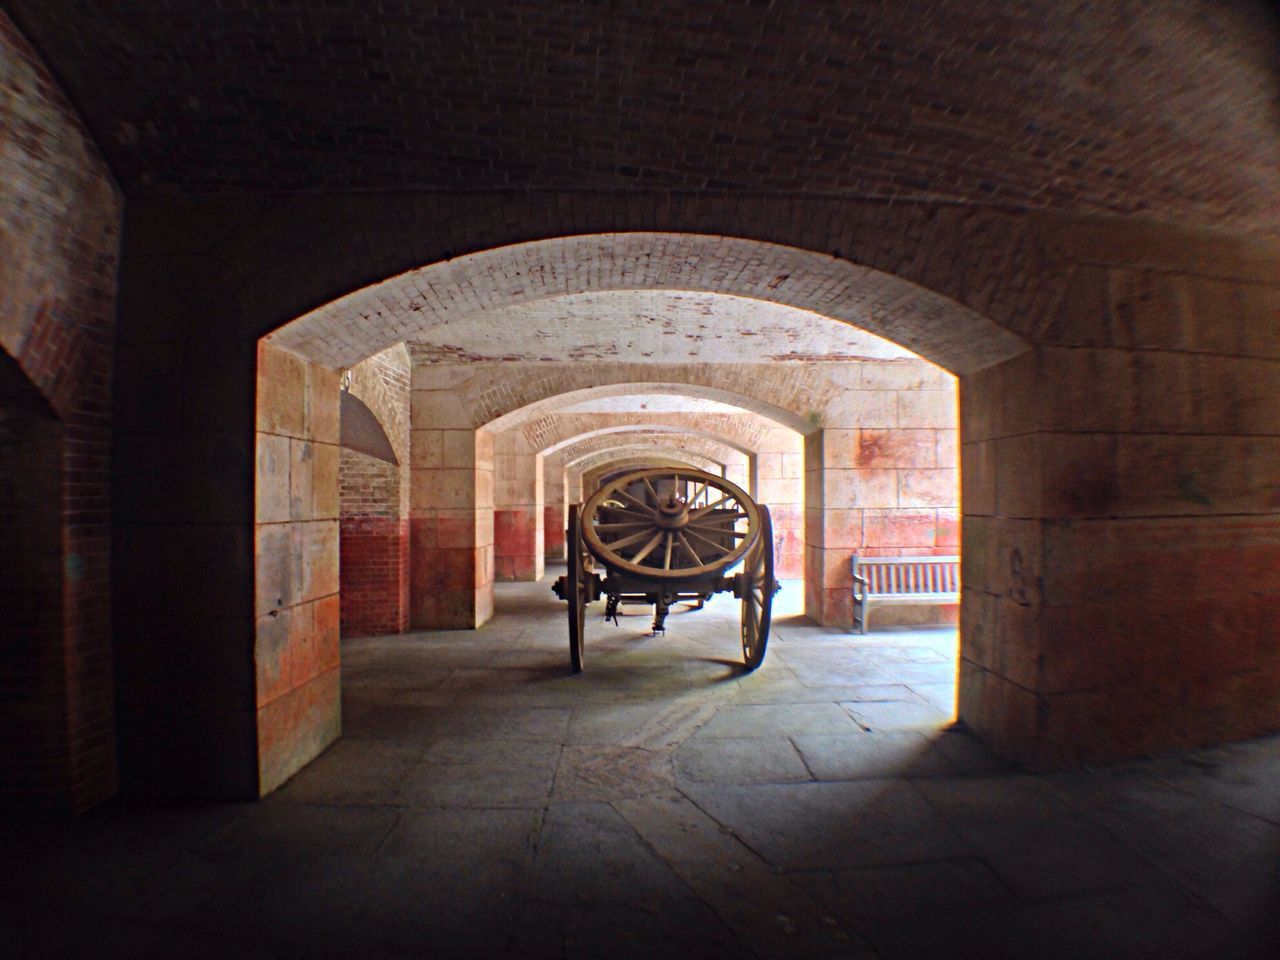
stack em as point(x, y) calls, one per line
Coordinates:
point(576, 590)
point(670, 524)
point(757, 588)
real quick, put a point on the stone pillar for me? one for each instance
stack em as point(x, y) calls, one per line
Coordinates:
point(450, 512)
point(554, 509)
point(1122, 526)
point(517, 516)
point(740, 471)
point(780, 485)
point(298, 698)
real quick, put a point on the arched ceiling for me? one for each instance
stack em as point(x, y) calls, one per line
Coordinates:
point(648, 430)
point(519, 292)
point(783, 399)
point(633, 457)
point(659, 444)
point(1164, 108)
point(654, 326)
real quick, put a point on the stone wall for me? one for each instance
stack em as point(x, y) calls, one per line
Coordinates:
point(296, 605)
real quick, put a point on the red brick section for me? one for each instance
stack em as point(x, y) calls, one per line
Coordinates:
point(59, 234)
point(374, 527)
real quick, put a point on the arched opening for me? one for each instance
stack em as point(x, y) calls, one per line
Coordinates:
point(482, 421)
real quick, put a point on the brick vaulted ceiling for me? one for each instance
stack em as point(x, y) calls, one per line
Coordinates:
point(1163, 108)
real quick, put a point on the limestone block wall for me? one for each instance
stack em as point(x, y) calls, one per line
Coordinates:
point(374, 500)
point(885, 484)
point(450, 506)
point(60, 221)
point(296, 537)
point(518, 520)
point(554, 507)
point(780, 485)
point(1122, 525)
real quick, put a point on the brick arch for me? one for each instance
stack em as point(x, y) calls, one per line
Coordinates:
point(944, 331)
point(617, 431)
point(627, 456)
point(746, 430)
point(588, 477)
point(706, 447)
point(786, 394)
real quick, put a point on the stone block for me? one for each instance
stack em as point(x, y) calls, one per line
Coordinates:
point(860, 488)
point(440, 410)
point(839, 449)
point(947, 450)
point(295, 728)
point(978, 478)
point(899, 528)
point(1089, 390)
point(272, 653)
point(1083, 314)
point(879, 449)
point(948, 529)
point(278, 567)
point(1149, 310)
point(282, 389)
point(928, 488)
point(442, 489)
point(324, 419)
point(1235, 318)
point(426, 449)
point(1079, 476)
point(1018, 484)
point(325, 464)
point(904, 375)
point(841, 528)
point(320, 558)
point(927, 408)
point(271, 478)
point(871, 408)
point(301, 492)
point(455, 528)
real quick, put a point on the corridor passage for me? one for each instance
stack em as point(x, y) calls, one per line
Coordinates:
point(483, 802)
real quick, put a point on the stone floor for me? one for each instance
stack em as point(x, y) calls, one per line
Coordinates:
point(484, 803)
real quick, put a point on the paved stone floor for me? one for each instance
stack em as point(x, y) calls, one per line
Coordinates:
point(485, 803)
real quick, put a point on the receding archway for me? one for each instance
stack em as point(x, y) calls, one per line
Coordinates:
point(465, 398)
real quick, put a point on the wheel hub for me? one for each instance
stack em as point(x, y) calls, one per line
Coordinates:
point(672, 514)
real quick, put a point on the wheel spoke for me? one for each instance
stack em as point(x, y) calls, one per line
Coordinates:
point(652, 492)
point(624, 524)
point(720, 548)
point(689, 547)
point(647, 548)
point(636, 500)
point(710, 506)
point(633, 538)
point(666, 561)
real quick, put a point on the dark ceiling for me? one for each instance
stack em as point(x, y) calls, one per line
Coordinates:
point(1165, 107)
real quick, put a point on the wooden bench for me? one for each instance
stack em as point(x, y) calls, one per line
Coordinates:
point(902, 580)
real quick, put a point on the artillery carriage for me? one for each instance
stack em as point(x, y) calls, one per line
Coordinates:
point(664, 536)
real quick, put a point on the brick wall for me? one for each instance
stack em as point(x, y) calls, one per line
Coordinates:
point(374, 498)
point(60, 216)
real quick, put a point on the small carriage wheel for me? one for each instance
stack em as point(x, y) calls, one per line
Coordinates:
point(670, 524)
point(758, 588)
point(576, 590)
